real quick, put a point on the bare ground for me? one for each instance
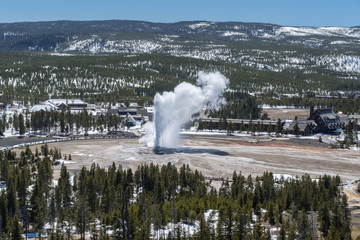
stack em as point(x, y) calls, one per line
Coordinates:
point(290, 113)
point(287, 113)
point(218, 156)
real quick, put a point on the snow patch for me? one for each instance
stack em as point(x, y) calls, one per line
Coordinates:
point(199, 25)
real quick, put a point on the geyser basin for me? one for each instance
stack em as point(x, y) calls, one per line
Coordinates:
point(189, 150)
point(173, 109)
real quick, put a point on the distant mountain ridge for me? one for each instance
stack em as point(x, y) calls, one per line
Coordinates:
point(267, 46)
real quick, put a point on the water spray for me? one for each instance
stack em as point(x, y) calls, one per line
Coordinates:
point(173, 109)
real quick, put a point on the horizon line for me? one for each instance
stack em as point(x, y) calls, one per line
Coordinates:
point(173, 22)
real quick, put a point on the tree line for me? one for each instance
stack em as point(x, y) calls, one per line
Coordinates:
point(59, 121)
point(139, 203)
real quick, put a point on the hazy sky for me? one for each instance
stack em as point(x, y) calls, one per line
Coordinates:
point(283, 12)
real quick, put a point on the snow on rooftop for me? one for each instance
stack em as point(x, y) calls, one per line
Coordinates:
point(66, 101)
point(39, 107)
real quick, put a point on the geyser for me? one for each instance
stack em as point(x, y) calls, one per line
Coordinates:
point(173, 109)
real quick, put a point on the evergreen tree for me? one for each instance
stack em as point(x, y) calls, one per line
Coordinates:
point(12, 201)
point(270, 128)
point(268, 235)
point(270, 213)
point(296, 129)
point(65, 187)
point(62, 121)
point(22, 127)
point(324, 218)
point(4, 216)
point(38, 208)
point(15, 122)
point(240, 225)
point(258, 232)
point(304, 229)
point(282, 233)
point(203, 232)
point(2, 128)
point(278, 127)
point(292, 232)
point(83, 217)
point(15, 233)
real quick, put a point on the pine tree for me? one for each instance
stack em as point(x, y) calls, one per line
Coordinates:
point(278, 127)
point(11, 196)
point(4, 216)
point(268, 235)
point(304, 229)
point(282, 233)
point(269, 129)
point(15, 122)
point(258, 232)
point(203, 232)
point(270, 213)
point(240, 225)
point(83, 217)
point(334, 233)
point(38, 208)
point(296, 129)
point(22, 127)
point(62, 121)
point(346, 217)
point(324, 219)
point(292, 232)
point(65, 187)
point(2, 128)
point(15, 233)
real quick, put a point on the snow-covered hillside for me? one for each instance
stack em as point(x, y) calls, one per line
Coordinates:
point(329, 50)
point(273, 60)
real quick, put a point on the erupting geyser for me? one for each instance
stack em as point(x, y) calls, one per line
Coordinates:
point(173, 109)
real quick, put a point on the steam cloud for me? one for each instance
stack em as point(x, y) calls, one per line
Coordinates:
point(173, 109)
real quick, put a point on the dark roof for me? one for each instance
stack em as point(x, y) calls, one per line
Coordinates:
point(129, 110)
point(302, 124)
point(254, 121)
point(113, 111)
point(328, 116)
point(327, 120)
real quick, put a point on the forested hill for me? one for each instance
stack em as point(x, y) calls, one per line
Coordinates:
point(330, 50)
point(33, 77)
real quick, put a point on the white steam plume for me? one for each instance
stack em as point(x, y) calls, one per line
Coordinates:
point(173, 109)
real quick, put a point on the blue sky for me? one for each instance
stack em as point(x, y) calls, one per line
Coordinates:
point(282, 12)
